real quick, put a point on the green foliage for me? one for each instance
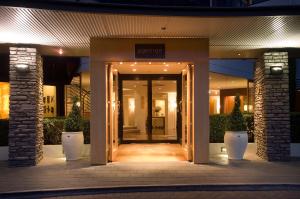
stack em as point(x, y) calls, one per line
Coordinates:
point(73, 123)
point(4, 132)
point(217, 127)
point(236, 120)
point(53, 128)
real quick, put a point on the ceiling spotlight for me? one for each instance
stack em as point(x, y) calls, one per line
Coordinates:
point(135, 62)
point(165, 70)
point(131, 64)
point(149, 62)
point(239, 54)
point(134, 69)
point(178, 63)
point(60, 51)
point(121, 62)
point(164, 63)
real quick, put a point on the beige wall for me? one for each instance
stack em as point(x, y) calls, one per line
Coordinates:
point(184, 50)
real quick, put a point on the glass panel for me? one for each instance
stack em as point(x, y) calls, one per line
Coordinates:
point(135, 110)
point(164, 110)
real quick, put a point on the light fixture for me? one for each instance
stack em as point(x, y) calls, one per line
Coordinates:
point(121, 63)
point(131, 64)
point(135, 62)
point(134, 69)
point(223, 149)
point(115, 70)
point(22, 67)
point(164, 63)
point(276, 70)
point(167, 65)
point(165, 70)
point(78, 104)
point(239, 54)
point(183, 70)
point(60, 51)
point(178, 63)
point(149, 62)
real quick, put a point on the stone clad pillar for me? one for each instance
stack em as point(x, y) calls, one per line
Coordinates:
point(26, 107)
point(271, 110)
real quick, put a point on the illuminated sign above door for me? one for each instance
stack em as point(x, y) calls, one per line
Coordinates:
point(149, 51)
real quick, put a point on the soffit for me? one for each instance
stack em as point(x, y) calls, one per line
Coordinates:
point(72, 30)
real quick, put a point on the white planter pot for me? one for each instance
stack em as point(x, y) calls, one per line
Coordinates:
point(236, 144)
point(72, 143)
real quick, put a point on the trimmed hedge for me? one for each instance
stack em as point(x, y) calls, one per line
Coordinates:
point(218, 126)
point(53, 127)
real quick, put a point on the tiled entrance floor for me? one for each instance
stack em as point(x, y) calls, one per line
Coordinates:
point(160, 152)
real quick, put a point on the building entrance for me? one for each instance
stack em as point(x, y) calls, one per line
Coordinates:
point(150, 108)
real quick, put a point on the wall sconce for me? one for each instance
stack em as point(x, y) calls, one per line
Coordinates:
point(22, 67)
point(223, 150)
point(276, 70)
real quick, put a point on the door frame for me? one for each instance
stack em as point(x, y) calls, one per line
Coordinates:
point(149, 78)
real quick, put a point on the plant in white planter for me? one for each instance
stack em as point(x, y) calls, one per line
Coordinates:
point(72, 137)
point(236, 137)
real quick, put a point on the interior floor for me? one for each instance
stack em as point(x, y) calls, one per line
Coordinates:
point(158, 152)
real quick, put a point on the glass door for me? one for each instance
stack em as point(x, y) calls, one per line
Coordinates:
point(164, 110)
point(149, 108)
point(135, 110)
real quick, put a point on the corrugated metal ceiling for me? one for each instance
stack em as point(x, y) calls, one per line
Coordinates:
point(73, 30)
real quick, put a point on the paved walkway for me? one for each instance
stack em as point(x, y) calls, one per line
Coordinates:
point(56, 173)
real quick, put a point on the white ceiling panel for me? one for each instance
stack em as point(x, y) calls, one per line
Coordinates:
point(73, 30)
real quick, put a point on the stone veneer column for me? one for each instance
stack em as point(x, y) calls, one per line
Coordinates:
point(26, 108)
point(271, 110)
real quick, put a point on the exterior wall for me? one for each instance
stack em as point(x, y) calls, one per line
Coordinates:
point(177, 50)
point(271, 111)
point(26, 108)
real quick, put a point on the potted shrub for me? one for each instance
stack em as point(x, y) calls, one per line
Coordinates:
point(72, 137)
point(236, 137)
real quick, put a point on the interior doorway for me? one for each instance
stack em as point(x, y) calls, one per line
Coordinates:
point(149, 108)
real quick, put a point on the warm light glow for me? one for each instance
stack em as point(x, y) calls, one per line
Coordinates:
point(245, 107)
point(134, 69)
point(4, 100)
point(22, 66)
point(223, 149)
point(165, 70)
point(131, 104)
point(115, 70)
point(121, 63)
point(149, 62)
point(60, 51)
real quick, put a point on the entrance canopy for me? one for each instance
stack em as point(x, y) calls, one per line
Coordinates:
point(229, 37)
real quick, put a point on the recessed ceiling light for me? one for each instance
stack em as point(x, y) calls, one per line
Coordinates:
point(121, 62)
point(178, 63)
point(165, 70)
point(239, 54)
point(60, 51)
point(149, 62)
point(164, 63)
point(134, 69)
point(131, 64)
point(167, 65)
point(135, 62)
